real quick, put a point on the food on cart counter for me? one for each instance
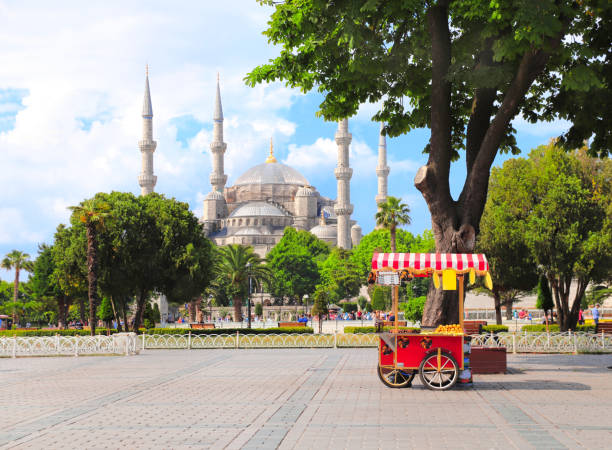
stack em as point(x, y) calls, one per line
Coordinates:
point(449, 329)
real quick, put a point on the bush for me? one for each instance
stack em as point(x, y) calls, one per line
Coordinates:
point(23, 333)
point(586, 328)
point(350, 330)
point(494, 328)
point(413, 308)
point(349, 307)
point(148, 324)
point(555, 327)
point(288, 330)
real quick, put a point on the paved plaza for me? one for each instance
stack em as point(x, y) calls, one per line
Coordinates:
point(296, 398)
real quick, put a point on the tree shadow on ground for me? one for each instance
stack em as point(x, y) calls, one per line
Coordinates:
point(529, 385)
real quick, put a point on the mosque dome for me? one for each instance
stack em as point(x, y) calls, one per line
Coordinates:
point(255, 209)
point(271, 173)
point(214, 195)
point(250, 231)
point(325, 232)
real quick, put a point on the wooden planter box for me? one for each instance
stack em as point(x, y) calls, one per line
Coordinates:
point(488, 360)
point(202, 326)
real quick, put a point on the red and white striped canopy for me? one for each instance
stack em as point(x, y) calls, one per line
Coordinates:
point(430, 262)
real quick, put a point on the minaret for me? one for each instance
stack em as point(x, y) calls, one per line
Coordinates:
point(343, 172)
point(382, 170)
point(147, 145)
point(217, 146)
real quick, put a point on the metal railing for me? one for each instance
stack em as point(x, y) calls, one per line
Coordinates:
point(116, 344)
point(129, 343)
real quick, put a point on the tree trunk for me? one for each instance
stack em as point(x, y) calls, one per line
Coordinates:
point(82, 310)
point(61, 312)
point(497, 300)
point(92, 276)
point(392, 238)
point(115, 315)
point(237, 309)
point(508, 304)
point(193, 310)
point(125, 319)
point(15, 293)
point(140, 303)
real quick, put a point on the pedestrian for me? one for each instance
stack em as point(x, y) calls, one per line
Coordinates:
point(595, 313)
point(581, 316)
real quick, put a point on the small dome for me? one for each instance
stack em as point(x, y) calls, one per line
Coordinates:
point(257, 209)
point(214, 195)
point(325, 231)
point(271, 173)
point(250, 231)
point(305, 191)
point(356, 227)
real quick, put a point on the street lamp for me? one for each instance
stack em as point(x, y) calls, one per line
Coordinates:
point(249, 297)
point(306, 302)
point(210, 299)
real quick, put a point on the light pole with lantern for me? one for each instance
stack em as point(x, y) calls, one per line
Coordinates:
point(306, 303)
point(249, 297)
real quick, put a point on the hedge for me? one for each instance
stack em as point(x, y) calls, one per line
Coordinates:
point(373, 329)
point(103, 331)
point(555, 328)
point(284, 330)
point(494, 328)
point(43, 332)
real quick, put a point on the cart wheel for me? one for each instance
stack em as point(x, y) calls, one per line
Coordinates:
point(442, 378)
point(395, 378)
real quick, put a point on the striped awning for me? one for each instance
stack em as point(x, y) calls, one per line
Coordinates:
point(427, 263)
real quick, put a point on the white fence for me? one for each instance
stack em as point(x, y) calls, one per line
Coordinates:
point(116, 344)
point(129, 343)
point(517, 343)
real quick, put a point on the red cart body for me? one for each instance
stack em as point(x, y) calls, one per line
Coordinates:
point(406, 351)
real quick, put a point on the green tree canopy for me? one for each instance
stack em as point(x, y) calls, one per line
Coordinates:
point(465, 69)
point(340, 276)
point(18, 261)
point(391, 214)
point(544, 300)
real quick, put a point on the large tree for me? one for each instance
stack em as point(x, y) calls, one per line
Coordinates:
point(462, 68)
point(340, 275)
point(294, 264)
point(502, 235)
point(93, 213)
point(17, 261)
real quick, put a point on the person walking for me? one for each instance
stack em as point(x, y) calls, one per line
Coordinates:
point(580, 317)
point(595, 313)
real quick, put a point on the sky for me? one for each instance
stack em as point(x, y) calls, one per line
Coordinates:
point(71, 92)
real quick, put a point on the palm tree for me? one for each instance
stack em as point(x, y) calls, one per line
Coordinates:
point(93, 213)
point(16, 260)
point(391, 214)
point(236, 263)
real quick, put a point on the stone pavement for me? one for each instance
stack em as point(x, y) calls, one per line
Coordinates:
point(296, 398)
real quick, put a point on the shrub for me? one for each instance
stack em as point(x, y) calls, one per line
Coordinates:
point(350, 330)
point(494, 328)
point(413, 308)
point(148, 324)
point(554, 327)
point(586, 328)
point(349, 307)
point(23, 333)
point(288, 330)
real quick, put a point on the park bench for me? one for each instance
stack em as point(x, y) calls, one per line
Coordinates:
point(291, 324)
point(604, 327)
point(400, 323)
point(474, 326)
point(201, 326)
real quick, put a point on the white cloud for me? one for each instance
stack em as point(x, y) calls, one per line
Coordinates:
point(555, 127)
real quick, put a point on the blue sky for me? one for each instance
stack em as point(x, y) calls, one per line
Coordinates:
point(71, 87)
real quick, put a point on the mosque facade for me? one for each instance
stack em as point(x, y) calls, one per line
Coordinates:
point(270, 196)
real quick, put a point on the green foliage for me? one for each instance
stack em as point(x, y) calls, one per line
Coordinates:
point(555, 328)
point(105, 311)
point(413, 308)
point(148, 324)
point(379, 241)
point(381, 296)
point(362, 302)
point(321, 299)
point(494, 328)
point(349, 330)
point(368, 307)
point(544, 300)
point(294, 264)
point(349, 307)
point(392, 213)
point(258, 309)
point(596, 294)
point(232, 331)
point(340, 276)
point(25, 333)
point(377, 50)
point(151, 314)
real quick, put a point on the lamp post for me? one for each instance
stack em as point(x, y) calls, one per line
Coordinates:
point(210, 299)
point(249, 297)
point(306, 302)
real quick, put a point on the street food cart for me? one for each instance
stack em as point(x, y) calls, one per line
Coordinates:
point(440, 357)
